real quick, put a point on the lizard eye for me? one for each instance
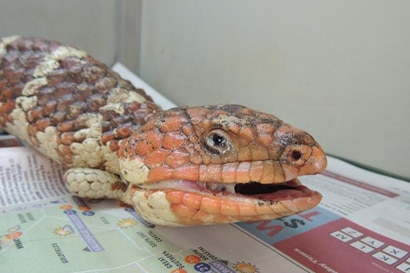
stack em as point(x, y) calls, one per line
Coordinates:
point(217, 142)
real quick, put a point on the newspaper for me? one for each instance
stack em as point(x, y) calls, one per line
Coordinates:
point(362, 225)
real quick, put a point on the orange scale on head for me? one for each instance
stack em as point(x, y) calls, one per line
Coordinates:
point(258, 152)
point(183, 212)
point(268, 174)
point(242, 172)
point(206, 124)
point(188, 131)
point(210, 173)
point(265, 128)
point(187, 172)
point(232, 127)
point(156, 158)
point(221, 218)
point(246, 210)
point(197, 112)
point(195, 157)
point(303, 203)
point(177, 158)
point(172, 124)
point(155, 138)
point(192, 200)
point(264, 209)
point(229, 171)
point(280, 208)
point(256, 171)
point(202, 217)
point(174, 197)
point(247, 133)
point(265, 139)
point(160, 174)
point(229, 208)
point(173, 141)
point(244, 154)
point(211, 205)
point(142, 148)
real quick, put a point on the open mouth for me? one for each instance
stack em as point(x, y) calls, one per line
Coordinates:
point(269, 192)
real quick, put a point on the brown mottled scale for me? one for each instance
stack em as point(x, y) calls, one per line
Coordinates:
point(75, 91)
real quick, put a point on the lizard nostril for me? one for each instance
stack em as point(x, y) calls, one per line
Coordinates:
point(297, 156)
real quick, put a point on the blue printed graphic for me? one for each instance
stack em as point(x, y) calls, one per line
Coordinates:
point(202, 267)
point(88, 213)
point(221, 267)
point(85, 233)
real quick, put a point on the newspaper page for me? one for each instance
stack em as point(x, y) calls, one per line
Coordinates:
point(362, 225)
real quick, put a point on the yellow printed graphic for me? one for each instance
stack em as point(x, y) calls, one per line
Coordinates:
point(127, 222)
point(246, 268)
point(64, 231)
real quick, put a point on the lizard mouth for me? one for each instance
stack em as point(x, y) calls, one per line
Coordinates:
point(288, 190)
point(269, 192)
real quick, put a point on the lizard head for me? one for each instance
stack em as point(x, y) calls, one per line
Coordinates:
point(219, 164)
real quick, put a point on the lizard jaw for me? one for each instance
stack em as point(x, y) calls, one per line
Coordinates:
point(185, 203)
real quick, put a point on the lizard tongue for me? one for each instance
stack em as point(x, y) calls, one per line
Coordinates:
point(289, 190)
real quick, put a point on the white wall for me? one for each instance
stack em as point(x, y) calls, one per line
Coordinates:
point(89, 25)
point(339, 69)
